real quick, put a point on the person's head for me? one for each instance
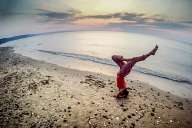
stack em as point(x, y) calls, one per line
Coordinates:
point(119, 57)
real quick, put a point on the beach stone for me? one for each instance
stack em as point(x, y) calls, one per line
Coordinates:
point(117, 118)
point(123, 119)
point(153, 109)
point(133, 125)
point(158, 121)
point(121, 105)
point(106, 117)
point(125, 109)
point(133, 114)
point(65, 120)
point(152, 114)
point(179, 105)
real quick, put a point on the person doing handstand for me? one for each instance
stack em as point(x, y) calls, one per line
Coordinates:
point(125, 66)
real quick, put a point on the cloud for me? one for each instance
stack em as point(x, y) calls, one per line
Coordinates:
point(76, 15)
point(54, 15)
point(113, 19)
point(138, 18)
point(187, 22)
point(169, 25)
point(11, 7)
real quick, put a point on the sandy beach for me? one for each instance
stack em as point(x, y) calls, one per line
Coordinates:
point(39, 94)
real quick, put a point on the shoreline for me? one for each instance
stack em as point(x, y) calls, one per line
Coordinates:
point(181, 89)
point(39, 94)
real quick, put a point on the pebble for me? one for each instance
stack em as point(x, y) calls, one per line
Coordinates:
point(122, 105)
point(117, 118)
point(133, 124)
point(133, 114)
point(171, 121)
point(125, 109)
point(152, 114)
point(129, 116)
point(64, 120)
point(124, 119)
point(158, 121)
point(104, 116)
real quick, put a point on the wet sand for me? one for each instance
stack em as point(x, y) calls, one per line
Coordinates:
point(38, 94)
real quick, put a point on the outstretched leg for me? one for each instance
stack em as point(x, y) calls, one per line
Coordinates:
point(143, 57)
point(126, 68)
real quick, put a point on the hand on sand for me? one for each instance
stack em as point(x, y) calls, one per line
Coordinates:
point(119, 96)
point(154, 50)
point(122, 94)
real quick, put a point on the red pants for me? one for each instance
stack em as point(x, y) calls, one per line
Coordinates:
point(121, 84)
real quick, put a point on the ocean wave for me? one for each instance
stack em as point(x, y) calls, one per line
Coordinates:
point(105, 61)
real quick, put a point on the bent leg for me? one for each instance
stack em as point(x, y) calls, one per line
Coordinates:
point(118, 60)
point(126, 68)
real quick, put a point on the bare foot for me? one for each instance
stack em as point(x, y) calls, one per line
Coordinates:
point(154, 50)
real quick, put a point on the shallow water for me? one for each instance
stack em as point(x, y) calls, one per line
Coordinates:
point(170, 69)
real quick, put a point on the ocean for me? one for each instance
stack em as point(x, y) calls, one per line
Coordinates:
point(170, 69)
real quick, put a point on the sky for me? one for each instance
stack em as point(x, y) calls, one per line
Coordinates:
point(172, 16)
